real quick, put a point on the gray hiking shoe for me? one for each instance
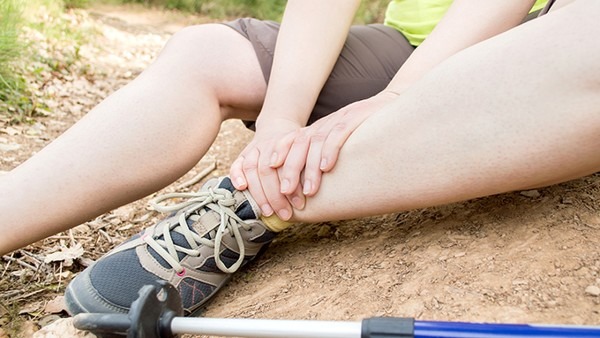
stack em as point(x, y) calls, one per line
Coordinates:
point(209, 236)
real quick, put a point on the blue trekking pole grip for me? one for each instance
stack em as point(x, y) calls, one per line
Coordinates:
point(389, 327)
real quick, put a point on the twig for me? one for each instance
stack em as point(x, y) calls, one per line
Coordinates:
point(12, 301)
point(7, 265)
point(103, 233)
point(73, 243)
point(32, 255)
point(20, 262)
point(9, 294)
point(68, 237)
point(59, 277)
point(199, 176)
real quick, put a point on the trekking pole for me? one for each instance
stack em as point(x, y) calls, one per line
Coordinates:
point(157, 313)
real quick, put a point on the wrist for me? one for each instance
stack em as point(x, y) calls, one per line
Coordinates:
point(278, 123)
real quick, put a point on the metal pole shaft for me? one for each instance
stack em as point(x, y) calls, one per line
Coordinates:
point(266, 328)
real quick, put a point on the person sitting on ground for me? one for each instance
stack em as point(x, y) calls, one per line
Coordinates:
point(458, 142)
point(423, 162)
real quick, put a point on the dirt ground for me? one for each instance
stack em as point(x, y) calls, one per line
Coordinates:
point(521, 257)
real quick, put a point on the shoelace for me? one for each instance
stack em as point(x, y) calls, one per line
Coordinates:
point(196, 205)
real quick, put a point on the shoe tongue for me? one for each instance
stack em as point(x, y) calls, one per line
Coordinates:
point(243, 206)
point(226, 184)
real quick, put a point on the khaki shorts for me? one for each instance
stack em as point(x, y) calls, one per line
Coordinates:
point(369, 60)
point(371, 56)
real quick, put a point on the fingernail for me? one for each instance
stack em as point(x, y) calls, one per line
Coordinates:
point(285, 185)
point(266, 210)
point(298, 202)
point(284, 214)
point(323, 164)
point(240, 181)
point(307, 187)
point(274, 159)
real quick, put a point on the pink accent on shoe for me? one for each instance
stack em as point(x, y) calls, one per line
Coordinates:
point(182, 273)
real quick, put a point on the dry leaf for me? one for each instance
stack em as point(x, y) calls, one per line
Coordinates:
point(31, 308)
point(66, 255)
point(10, 131)
point(9, 147)
point(56, 305)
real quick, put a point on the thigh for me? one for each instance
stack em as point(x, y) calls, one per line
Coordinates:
point(370, 58)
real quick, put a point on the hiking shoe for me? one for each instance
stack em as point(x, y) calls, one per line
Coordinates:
point(209, 236)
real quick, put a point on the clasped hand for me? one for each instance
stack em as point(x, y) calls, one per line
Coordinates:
point(284, 163)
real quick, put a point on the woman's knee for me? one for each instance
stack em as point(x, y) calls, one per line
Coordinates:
point(197, 47)
point(215, 57)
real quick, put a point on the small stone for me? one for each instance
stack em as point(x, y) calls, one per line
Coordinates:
point(324, 231)
point(593, 290)
point(531, 193)
point(566, 200)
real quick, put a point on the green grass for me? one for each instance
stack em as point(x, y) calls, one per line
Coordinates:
point(370, 11)
point(10, 21)
point(13, 91)
point(264, 9)
point(17, 104)
point(76, 3)
point(17, 54)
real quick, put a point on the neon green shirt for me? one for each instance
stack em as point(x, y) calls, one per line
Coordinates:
point(415, 19)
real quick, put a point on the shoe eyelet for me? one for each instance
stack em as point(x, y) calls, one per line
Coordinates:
point(181, 273)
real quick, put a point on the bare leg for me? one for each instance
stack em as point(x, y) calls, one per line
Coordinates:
point(520, 110)
point(140, 139)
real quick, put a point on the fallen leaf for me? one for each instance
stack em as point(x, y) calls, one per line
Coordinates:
point(10, 131)
point(31, 308)
point(56, 305)
point(66, 255)
point(9, 147)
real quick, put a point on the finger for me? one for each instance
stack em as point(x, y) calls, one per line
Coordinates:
point(250, 169)
point(281, 150)
point(271, 187)
point(335, 140)
point(294, 163)
point(297, 198)
point(236, 172)
point(312, 170)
